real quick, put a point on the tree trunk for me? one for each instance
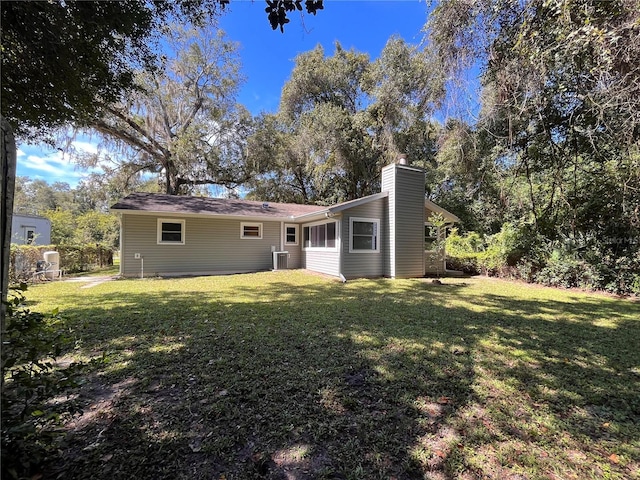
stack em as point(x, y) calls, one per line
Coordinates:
point(7, 188)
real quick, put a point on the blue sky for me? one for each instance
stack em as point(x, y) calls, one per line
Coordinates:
point(268, 58)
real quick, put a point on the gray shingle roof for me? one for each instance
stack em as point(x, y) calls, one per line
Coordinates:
point(176, 204)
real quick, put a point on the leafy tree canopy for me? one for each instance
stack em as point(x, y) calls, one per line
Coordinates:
point(341, 118)
point(62, 60)
point(181, 123)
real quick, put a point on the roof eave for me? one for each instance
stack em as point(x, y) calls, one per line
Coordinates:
point(356, 203)
point(438, 209)
point(259, 218)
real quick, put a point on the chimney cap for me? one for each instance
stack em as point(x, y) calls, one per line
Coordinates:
point(402, 159)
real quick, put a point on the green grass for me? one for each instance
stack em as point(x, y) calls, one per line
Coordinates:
point(98, 272)
point(291, 375)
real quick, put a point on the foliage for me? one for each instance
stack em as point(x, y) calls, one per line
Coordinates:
point(94, 193)
point(90, 62)
point(31, 344)
point(63, 225)
point(491, 254)
point(97, 228)
point(277, 10)
point(517, 252)
point(341, 118)
point(260, 376)
point(97, 49)
point(567, 271)
point(558, 134)
point(88, 228)
point(181, 124)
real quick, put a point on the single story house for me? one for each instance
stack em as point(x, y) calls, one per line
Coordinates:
point(379, 235)
point(30, 230)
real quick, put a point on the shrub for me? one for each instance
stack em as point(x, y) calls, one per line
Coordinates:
point(462, 251)
point(568, 271)
point(31, 342)
point(504, 249)
point(492, 255)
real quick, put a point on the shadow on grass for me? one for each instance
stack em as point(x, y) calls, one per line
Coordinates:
point(372, 379)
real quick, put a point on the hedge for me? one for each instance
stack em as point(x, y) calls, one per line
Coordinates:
point(73, 259)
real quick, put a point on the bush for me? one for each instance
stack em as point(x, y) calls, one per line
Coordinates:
point(31, 342)
point(567, 271)
point(505, 249)
point(517, 252)
point(463, 251)
point(492, 255)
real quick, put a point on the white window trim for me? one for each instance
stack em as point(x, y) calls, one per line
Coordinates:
point(322, 249)
point(292, 225)
point(181, 221)
point(376, 221)
point(250, 224)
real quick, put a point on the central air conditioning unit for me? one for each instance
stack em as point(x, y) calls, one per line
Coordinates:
point(280, 260)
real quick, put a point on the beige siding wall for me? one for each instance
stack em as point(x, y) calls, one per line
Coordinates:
point(406, 220)
point(322, 262)
point(365, 264)
point(295, 256)
point(388, 182)
point(211, 245)
point(409, 222)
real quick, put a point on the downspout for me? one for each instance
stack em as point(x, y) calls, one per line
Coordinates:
point(121, 217)
point(282, 233)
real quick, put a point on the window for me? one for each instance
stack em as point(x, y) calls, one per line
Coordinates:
point(31, 236)
point(364, 235)
point(251, 230)
point(430, 236)
point(291, 234)
point(320, 236)
point(171, 231)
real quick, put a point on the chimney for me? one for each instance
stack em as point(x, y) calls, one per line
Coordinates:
point(405, 214)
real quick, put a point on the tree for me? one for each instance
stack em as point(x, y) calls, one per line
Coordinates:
point(182, 122)
point(341, 118)
point(63, 226)
point(561, 113)
point(277, 10)
point(561, 100)
point(37, 196)
point(97, 227)
point(405, 91)
point(7, 185)
point(63, 60)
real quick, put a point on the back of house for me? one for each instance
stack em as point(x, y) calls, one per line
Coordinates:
point(378, 235)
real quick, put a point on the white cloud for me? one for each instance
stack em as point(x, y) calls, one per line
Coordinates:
point(87, 147)
point(53, 165)
point(44, 162)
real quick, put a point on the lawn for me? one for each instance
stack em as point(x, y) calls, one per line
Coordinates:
point(288, 375)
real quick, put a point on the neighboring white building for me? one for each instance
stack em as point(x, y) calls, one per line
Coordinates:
point(30, 230)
